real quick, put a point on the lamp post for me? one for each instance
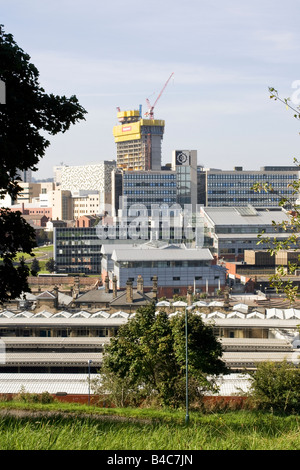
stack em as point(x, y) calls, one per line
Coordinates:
point(186, 309)
point(187, 418)
point(89, 379)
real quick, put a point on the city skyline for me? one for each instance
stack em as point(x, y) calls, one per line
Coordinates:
point(224, 58)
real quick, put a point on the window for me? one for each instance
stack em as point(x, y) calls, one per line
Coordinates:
point(176, 278)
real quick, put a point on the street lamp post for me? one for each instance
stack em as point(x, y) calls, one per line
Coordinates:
point(89, 379)
point(187, 418)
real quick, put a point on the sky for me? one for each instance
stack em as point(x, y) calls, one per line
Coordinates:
point(224, 55)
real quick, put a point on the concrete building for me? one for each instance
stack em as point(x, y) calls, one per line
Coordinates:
point(28, 192)
point(138, 141)
point(77, 250)
point(258, 266)
point(85, 203)
point(25, 175)
point(233, 187)
point(149, 188)
point(32, 210)
point(176, 268)
point(229, 231)
point(184, 163)
point(90, 178)
point(61, 203)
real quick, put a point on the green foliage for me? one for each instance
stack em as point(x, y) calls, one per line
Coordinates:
point(149, 352)
point(62, 426)
point(114, 390)
point(35, 265)
point(28, 114)
point(26, 397)
point(15, 236)
point(280, 280)
point(50, 265)
point(276, 386)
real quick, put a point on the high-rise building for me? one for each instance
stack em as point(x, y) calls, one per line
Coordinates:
point(138, 141)
point(25, 175)
point(149, 188)
point(184, 163)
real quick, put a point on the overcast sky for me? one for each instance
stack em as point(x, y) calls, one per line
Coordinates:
point(224, 55)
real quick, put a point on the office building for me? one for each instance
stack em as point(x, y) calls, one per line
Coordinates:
point(233, 187)
point(138, 141)
point(77, 250)
point(61, 202)
point(184, 163)
point(149, 188)
point(86, 203)
point(229, 231)
point(176, 268)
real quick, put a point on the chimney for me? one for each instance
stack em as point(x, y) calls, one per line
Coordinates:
point(129, 292)
point(114, 286)
point(55, 292)
point(189, 295)
point(106, 282)
point(154, 288)
point(140, 284)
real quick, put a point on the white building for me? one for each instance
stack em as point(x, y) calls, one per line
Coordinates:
point(176, 268)
point(92, 177)
point(231, 230)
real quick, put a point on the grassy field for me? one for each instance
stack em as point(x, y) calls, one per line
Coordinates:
point(71, 427)
point(42, 253)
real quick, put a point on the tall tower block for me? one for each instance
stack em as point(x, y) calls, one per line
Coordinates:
point(138, 141)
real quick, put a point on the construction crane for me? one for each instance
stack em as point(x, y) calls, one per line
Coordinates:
point(150, 112)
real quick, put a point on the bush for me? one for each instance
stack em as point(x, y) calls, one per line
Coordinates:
point(276, 386)
point(27, 397)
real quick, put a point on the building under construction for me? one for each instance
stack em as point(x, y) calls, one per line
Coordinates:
point(138, 141)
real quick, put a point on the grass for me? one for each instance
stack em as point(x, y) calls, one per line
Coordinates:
point(79, 427)
point(39, 253)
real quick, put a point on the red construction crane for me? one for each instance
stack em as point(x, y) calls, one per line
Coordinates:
point(150, 113)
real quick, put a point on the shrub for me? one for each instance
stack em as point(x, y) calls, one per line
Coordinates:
point(276, 386)
point(27, 397)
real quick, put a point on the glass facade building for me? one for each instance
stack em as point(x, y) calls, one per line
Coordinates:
point(77, 250)
point(149, 187)
point(233, 188)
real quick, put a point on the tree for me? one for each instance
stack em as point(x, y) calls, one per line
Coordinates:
point(35, 265)
point(28, 114)
point(149, 352)
point(276, 386)
point(15, 235)
point(281, 280)
point(50, 265)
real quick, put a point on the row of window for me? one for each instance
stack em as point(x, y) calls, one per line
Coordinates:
point(147, 184)
point(163, 264)
point(150, 193)
point(151, 176)
point(253, 176)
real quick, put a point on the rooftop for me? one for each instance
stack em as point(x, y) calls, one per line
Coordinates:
point(139, 253)
point(247, 215)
